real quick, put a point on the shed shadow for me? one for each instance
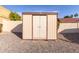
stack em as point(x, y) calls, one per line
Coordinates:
point(17, 30)
point(71, 37)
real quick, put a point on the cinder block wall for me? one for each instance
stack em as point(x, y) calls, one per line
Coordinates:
point(68, 28)
point(12, 26)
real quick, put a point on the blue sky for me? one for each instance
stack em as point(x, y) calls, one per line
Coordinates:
point(61, 9)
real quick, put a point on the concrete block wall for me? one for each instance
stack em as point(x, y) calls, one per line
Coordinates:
point(68, 28)
point(12, 26)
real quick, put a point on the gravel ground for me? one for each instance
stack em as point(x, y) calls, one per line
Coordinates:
point(12, 43)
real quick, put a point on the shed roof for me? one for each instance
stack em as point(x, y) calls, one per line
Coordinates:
point(39, 13)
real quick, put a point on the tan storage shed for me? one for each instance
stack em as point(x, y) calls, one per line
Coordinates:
point(40, 25)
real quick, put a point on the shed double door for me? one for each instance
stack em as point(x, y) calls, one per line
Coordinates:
point(39, 27)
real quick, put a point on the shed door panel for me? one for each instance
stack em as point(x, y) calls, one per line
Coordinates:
point(35, 27)
point(42, 27)
point(39, 27)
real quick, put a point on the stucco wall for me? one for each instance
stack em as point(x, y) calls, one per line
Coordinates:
point(12, 26)
point(68, 28)
point(4, 12)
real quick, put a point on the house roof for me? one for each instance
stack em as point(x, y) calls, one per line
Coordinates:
point(69, 20)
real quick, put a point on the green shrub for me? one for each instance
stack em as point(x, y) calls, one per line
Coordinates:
point(1, 27)
point(58, 23)
point(14, 16)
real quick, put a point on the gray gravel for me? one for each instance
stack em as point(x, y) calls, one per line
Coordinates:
point(12, 43)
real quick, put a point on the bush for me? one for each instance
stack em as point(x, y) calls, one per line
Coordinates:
point(14, 16)
point(0, 27)
point(58, 23)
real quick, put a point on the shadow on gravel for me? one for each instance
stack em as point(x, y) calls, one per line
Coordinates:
point(19, 34)
point(71, 37)
point(19, 29)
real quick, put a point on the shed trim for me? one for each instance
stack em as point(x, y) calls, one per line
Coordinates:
point(36, 13)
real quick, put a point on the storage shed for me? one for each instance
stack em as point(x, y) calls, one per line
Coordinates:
point(40, 25)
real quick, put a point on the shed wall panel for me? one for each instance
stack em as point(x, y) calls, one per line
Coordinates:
point(52, 27)
point(27, 26)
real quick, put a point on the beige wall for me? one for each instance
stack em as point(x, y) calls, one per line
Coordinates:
point(12, 26)
point(4, 12)
point(68, 28)
point(2, 19)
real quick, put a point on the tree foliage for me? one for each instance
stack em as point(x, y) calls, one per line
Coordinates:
point(14, 16)
point(67, 17)
point(76, 15)
point(71, 16)
point(58, 23)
